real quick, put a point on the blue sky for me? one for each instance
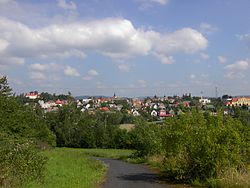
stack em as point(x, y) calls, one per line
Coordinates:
point(132, 48)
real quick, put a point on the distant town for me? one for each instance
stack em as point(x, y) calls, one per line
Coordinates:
point(157, 107)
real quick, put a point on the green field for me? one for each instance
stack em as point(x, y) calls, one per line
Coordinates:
point(68, 167)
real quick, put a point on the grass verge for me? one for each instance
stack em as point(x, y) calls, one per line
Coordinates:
point(108, 153)
point(68, 167)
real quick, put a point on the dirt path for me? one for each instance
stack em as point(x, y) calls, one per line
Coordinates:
point(124, 175)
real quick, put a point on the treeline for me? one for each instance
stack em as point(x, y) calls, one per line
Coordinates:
point(83, 130)
point(45, 96)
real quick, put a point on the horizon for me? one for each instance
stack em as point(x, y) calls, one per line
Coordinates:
point(146, 96)
point(132, 48)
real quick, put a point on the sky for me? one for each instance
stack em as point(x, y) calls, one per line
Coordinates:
point(131, 48)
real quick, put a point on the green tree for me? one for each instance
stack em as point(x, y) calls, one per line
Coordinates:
point(5, 90)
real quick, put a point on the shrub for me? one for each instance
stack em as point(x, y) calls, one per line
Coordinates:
point(146, 139)
point(195, 147)
point(20, 162)
point(199, 148)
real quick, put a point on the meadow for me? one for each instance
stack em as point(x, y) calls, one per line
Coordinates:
point(67, 167)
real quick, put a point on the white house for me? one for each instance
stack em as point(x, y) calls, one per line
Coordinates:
point(135, 112)
point(32, 95)
point(204, 101)
point(154, 113)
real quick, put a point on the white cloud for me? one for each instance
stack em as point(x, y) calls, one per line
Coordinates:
point(192, 76)
point(11, 61)
point(91, 74)
point(237, 69)
point(161, 2)
point(146, 4)
point(45, 71)
point(234, 75)
point(204, 56)
point(70, 71)
point(114, 37)
point(38, 76)
point(207, 28)
point(48, 67)
point(245, 37)
point(38, 67)
point(67, 6)
point(241, 65)
point(185, 40)
point(222, 59)
point(3, 45)
point(164, 58)
point(124, 67)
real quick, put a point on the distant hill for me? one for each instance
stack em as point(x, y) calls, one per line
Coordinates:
point(88, 96)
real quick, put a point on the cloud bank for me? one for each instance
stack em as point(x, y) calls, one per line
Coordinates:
point(115, 38)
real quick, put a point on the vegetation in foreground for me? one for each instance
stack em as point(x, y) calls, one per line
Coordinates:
point(198, 148)
point(70, 168)
point(22, 135)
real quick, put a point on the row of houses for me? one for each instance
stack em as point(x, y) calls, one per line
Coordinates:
point(238, 101)
point(51, 106)
point(155, 106)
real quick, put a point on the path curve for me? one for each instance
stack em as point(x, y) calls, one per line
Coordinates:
point(125, 175)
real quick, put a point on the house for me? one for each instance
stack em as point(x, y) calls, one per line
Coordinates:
point(162, 106)
point(204, 101)
point(186, 103)
point(59, 102)
point(135, 112)
point(137, 103)
point(239, 101)
point(154, 113)
point(32, 95)
point(154, 106)
point(163, 113)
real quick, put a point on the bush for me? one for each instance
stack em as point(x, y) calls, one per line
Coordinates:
point(202, 147)
point(196, 147)
point(146, 139)
point(20, 163)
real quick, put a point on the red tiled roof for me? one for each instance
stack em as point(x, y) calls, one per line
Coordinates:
point(59, 102)
point(235, 99)
point(104, 108)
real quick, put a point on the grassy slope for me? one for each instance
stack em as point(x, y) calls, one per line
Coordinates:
point(68, 167)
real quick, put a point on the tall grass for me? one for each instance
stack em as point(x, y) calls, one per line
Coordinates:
point(232, 178)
